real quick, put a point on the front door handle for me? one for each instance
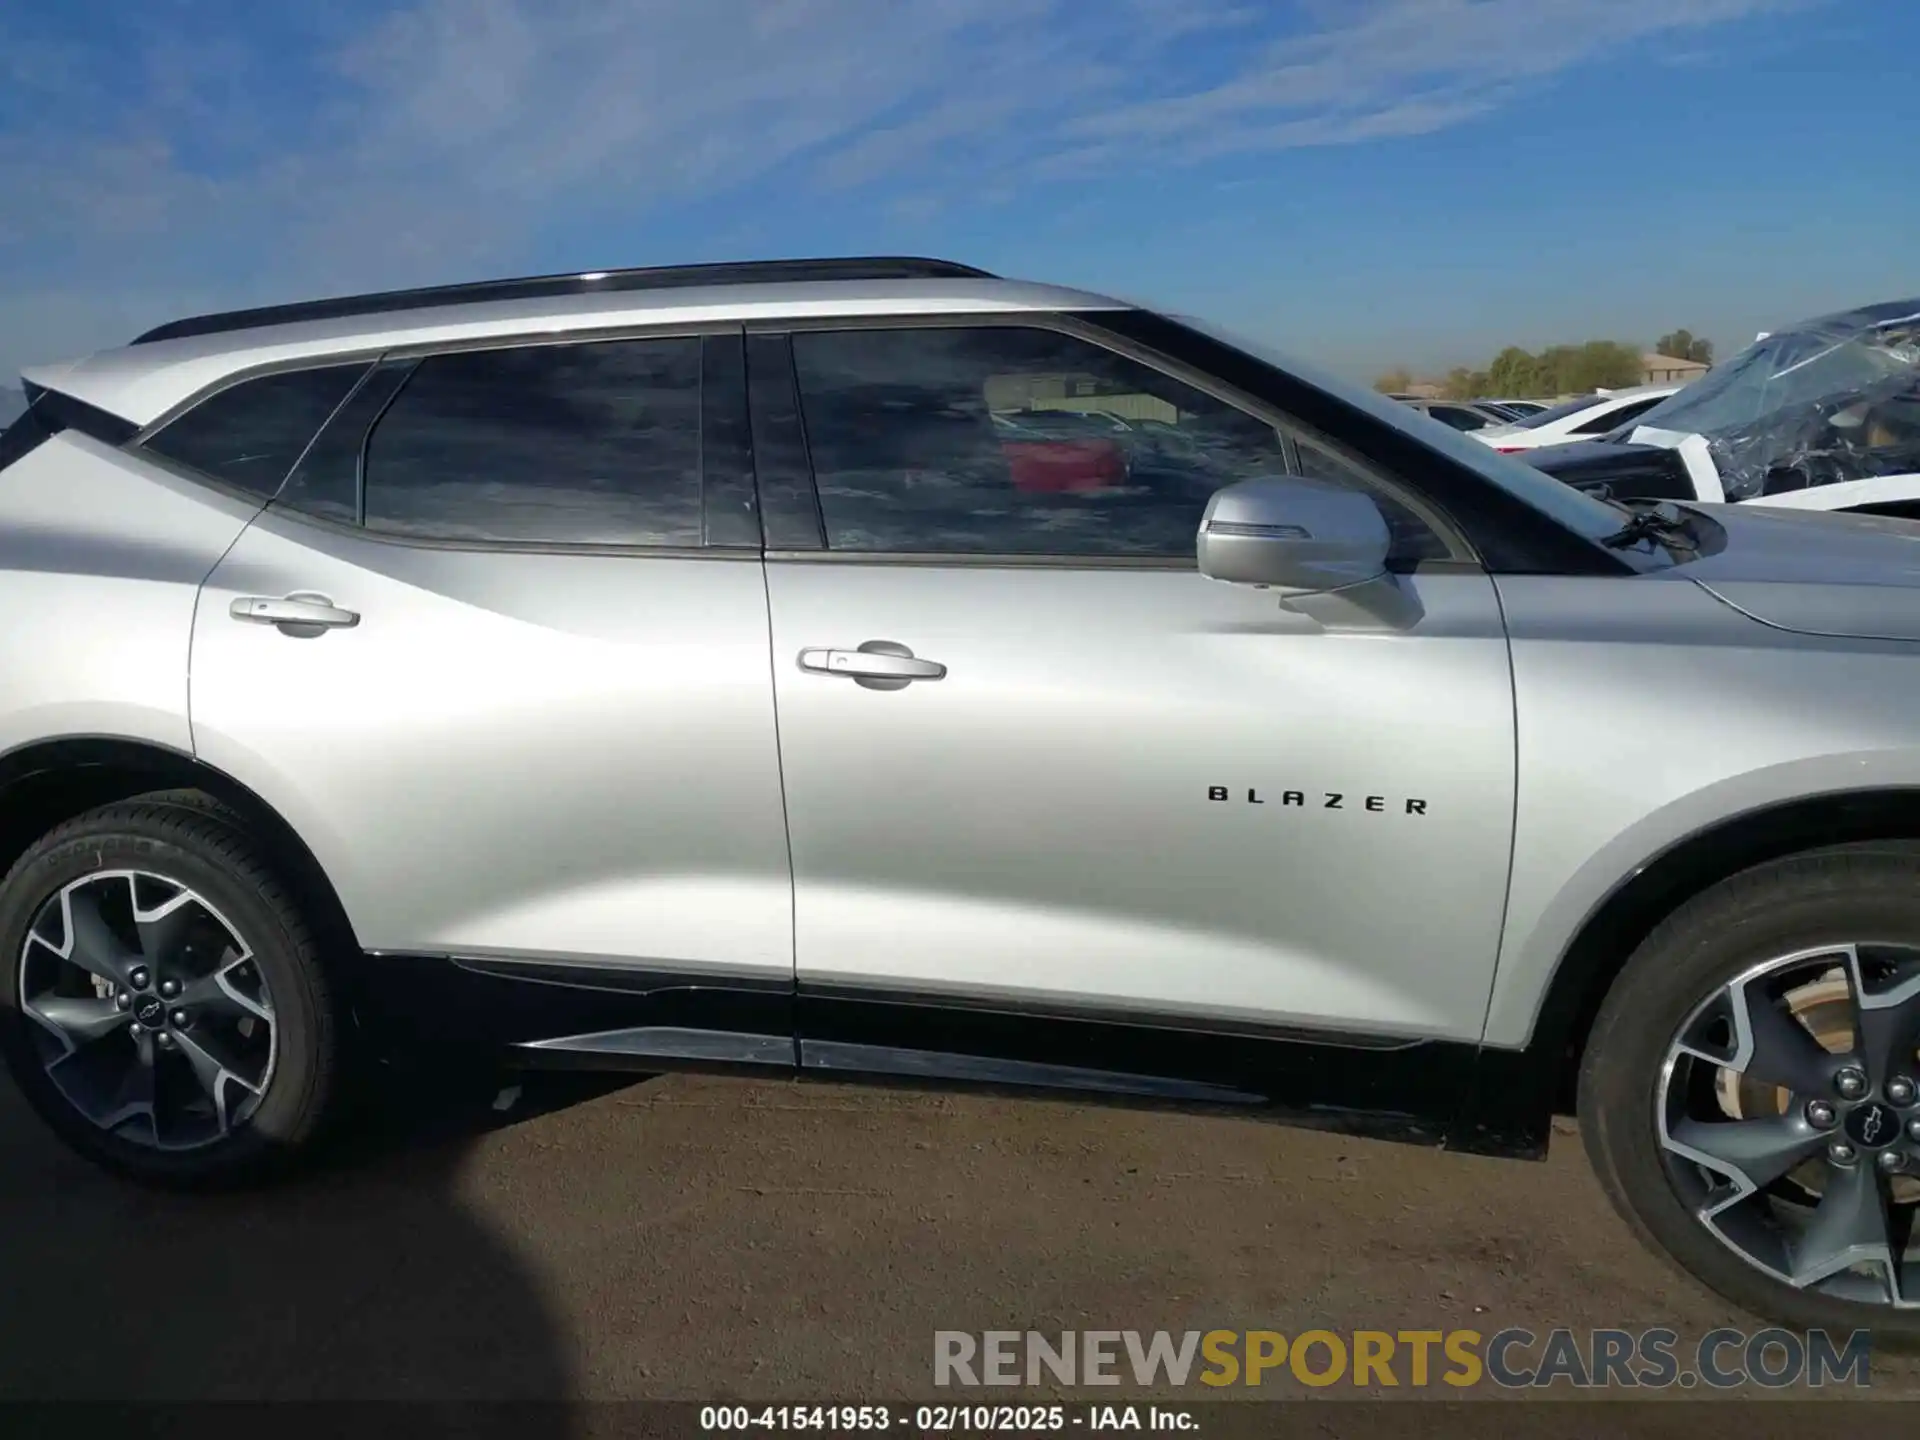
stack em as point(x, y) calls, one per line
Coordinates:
point(877, 664)
point(300, 613)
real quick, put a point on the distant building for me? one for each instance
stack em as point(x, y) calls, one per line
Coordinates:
point(1669, 370)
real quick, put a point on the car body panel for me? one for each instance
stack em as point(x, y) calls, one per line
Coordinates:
point(1868, 494)
point(1649, 711)
point(561, 755)
point(1036, 824)
point(101, 559)
point(1837, 574)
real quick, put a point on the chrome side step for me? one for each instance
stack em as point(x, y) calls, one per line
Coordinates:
point(670, 1043)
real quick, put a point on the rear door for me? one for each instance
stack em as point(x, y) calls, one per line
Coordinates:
point(1037, 765)
point(498, 651)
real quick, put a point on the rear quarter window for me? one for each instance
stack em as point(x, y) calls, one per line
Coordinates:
point(249, 435)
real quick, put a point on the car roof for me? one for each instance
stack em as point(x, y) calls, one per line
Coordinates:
point(1635, 392)
point(1862, 317)
point(143, 381)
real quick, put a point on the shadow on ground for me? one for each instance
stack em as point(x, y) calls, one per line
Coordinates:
point(364, 1278)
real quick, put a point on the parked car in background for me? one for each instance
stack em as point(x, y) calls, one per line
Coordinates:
point(1498, 408)
point(1582, 418)
point(1823, 415)
point(1520, 409)
point(1465, 415)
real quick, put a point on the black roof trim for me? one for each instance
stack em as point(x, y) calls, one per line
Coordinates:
point(49, 412)
point(663, 277)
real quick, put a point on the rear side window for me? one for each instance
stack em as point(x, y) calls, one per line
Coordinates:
point(594, 444)
point(249, 435)
point(1458, 417)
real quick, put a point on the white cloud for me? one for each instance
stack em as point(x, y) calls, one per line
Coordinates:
point(450, 135)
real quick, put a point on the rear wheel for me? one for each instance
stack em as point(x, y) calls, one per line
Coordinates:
point(164, 1008)
point(1750, 1095)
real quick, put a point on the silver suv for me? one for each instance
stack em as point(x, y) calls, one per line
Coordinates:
point(874, 668)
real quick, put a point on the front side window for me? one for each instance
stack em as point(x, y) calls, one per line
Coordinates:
point(1004, 440)
point(595, 444)
point(249, 435)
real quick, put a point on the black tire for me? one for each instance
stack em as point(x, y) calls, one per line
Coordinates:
point(1835, 895)
point(202, 846)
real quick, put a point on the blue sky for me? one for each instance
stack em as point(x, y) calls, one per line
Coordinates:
point(1362, 181)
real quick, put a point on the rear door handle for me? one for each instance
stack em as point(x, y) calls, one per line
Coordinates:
point(881, 664)
point(294, 613)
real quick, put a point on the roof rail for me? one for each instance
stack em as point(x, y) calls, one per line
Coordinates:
point(663, 277)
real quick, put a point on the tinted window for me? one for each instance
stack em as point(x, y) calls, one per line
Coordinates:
point(326, 482)
point(1459, 417)
point(1614, 419)
point(1413, 537)
point(1001, 440)
point(249, 435)
point(588, 444)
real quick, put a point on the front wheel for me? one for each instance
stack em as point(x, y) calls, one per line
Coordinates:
point(164, 1009)
point(1750, 1093)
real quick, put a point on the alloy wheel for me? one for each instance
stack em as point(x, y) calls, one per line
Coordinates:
point(153, 1020)
point(1801, 1151)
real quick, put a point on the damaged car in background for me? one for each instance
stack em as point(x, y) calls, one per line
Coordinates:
point(1824, 415)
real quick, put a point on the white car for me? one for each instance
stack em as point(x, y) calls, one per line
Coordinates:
point(1824, 415)
point(1585, 418)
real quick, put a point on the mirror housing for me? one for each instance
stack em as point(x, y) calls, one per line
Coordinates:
point(1287, 533)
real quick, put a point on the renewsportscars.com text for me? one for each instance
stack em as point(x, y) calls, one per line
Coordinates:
point(1513, 1358)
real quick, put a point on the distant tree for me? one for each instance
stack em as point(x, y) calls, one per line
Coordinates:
point(1556, 370)
point(1685, 345)
point(1394, 382)
point(1573, 369)
point(1517, 373)
point(1608, 363)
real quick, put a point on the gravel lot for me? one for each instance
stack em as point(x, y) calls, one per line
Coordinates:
point(697, 1237)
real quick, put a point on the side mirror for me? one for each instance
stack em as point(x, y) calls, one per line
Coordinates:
point(1292, 534)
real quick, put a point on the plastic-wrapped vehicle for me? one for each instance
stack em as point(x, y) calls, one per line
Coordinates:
point(1824, 415)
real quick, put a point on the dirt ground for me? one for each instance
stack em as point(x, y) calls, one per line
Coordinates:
point(704, 1238)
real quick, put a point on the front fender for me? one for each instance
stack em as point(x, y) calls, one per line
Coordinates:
point(1537, 955)
point(1649, 713)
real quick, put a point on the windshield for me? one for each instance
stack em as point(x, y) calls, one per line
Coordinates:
point(1579, 512)
point(1827, 401)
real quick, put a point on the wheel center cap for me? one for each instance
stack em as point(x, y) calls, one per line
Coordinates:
point(150, 1011)
point(1872, 1125)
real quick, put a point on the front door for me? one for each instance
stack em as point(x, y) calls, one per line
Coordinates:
point(1035, 763)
